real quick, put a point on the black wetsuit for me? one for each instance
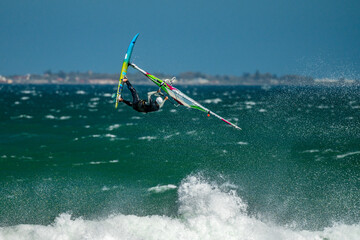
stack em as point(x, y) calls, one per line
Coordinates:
point(138, 104)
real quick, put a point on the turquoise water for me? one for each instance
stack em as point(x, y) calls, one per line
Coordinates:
point(73, 167)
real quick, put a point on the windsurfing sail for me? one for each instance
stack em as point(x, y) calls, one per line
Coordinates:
point(124, 68)
point(179, 96)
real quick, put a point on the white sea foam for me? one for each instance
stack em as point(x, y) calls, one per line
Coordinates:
point(162, 188)
point(112, 127)
point(215, 101)
point(110, 135)
point(92, 105)
point(22, 116)
point(96, 163)
point(50, 116)
point(243, 143)
point(25, 98)
point(250, 103)
point(28, 92)
point(347, 154)
point(136, 117)
point(171, 135)
point(95, 99)
point(65, 117)
point(206, 211)
point(149, 138)
point(311, 151)
point(80, 92)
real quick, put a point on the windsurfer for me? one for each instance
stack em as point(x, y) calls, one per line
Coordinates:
point(142, 105)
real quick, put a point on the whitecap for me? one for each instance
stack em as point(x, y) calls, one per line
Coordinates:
point(50, 116)
point(22, 116)
point(110, 135)
point(251, 103)
point(311, 151)
point(64, 117)
point(206, 211)
point(171, 135)
point(215, 100)
point(28, 92)
point(112, 127)
point(80, 92)
point(96, 163)
point(162, 188)
point(242, 143)
point(149, 138)
point(347, 154)
point(25, 98)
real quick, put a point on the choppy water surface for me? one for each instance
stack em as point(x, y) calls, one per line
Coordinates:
point(73, 167)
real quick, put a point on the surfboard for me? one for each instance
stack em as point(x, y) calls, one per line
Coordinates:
point(124, 68)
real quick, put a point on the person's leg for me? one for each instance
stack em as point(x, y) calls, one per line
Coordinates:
point(150, 94)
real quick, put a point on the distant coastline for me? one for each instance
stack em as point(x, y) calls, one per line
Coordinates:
point(186, 78)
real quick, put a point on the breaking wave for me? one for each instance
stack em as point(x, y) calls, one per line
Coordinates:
point(206, 211)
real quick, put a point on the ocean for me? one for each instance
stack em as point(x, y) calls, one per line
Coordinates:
point(73, 167)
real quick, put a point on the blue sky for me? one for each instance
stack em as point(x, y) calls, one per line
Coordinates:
point(320, 38)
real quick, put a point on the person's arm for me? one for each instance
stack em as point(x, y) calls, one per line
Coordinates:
point(162, 104)
point(126, 102)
